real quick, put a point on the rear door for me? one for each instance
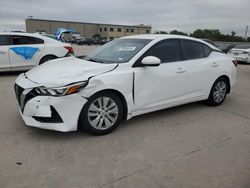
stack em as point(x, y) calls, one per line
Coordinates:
point(198, 64)
point(25, 51)
point(4, 52)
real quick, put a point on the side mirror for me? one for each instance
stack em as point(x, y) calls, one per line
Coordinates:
point(151, 61)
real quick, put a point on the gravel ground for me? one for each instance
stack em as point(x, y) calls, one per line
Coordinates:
point(187, 146)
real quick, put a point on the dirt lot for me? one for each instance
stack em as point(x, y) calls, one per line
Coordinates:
point(188, 146)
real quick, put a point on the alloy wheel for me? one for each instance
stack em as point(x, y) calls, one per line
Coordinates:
point(220, 91)
point(103, 113)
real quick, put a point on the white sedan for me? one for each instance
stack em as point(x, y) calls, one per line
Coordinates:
point(122, 79)
point(22, 51)
point(241, 53)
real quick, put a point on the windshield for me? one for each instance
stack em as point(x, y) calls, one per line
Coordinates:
point(117, 51)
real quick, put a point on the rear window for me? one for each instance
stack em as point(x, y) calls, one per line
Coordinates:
point(4, 40)
point(207, 50)
point(192, 50)
point(22, 40)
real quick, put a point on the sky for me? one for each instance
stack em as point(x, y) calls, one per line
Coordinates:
point(166, 15)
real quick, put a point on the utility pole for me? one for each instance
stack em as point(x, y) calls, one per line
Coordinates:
point(246, 32)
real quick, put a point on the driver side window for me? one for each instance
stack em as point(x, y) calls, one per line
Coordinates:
point(166, 51)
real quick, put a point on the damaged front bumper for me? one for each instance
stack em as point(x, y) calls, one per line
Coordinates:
point(48, 112)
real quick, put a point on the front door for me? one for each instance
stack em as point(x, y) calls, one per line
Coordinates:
point(165, 84)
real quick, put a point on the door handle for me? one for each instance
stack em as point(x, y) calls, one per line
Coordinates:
point(180, 70)
point(214, 64)
point(3, 52)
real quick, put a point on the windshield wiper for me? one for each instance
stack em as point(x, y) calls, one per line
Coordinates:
point(94, 60)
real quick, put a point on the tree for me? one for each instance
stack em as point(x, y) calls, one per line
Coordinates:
point(233, 33)
point(175, 32)
point(160, 32)
point(216, 35)
point(212, 34)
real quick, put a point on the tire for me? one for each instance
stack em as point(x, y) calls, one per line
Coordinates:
point(218, 92)
point(46, 58)
point(101, 114)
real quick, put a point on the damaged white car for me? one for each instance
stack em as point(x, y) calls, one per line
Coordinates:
point(122, 79)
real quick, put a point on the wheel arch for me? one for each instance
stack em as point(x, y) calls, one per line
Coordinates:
point(47, 55)
point(228, 81)
point(121, 97)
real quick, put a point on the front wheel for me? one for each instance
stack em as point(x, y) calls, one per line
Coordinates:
point(46, 59)
point(218, 92)
point(101, 114)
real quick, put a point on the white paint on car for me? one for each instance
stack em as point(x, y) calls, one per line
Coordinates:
point(144, 87)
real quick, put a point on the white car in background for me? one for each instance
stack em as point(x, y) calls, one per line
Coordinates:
point(241, 53)
point(124, 78)
point(22, 51)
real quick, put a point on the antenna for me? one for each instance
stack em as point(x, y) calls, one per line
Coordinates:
point(246, 32)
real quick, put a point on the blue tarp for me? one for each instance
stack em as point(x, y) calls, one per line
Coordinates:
point(60, 31)
point(25, 51)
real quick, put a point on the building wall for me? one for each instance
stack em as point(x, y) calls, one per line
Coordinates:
point(86, 29)
point(91, 30)
point(33, 27)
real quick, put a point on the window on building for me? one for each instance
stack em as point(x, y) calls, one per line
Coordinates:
point(22, 40)
point(147, 31)
point(111, 29)
point(100, 29)
point(132, 30)
point(111, 38)
point(105, 29)
point(119, 29)
point(127, 30)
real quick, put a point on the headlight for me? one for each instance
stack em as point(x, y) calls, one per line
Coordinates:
point(61, 91)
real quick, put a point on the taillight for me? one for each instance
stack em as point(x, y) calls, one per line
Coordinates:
point(235, 62)
point(70, 49)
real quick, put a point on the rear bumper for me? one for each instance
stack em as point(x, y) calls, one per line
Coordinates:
point(243, 58)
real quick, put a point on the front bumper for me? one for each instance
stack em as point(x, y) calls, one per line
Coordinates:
point(47, 112)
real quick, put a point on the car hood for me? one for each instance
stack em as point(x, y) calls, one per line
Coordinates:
point(64, 71)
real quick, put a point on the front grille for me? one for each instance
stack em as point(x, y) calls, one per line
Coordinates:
point(22, 98)
point(32, 94)
point(18, 90)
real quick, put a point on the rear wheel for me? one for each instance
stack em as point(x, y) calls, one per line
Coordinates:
point(101, 114)
point(46, 59)
point(218, 92)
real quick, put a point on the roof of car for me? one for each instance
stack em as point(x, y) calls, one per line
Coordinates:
point(30, 34)
point(155, 36)
point(167, 36)
point(17, 33)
